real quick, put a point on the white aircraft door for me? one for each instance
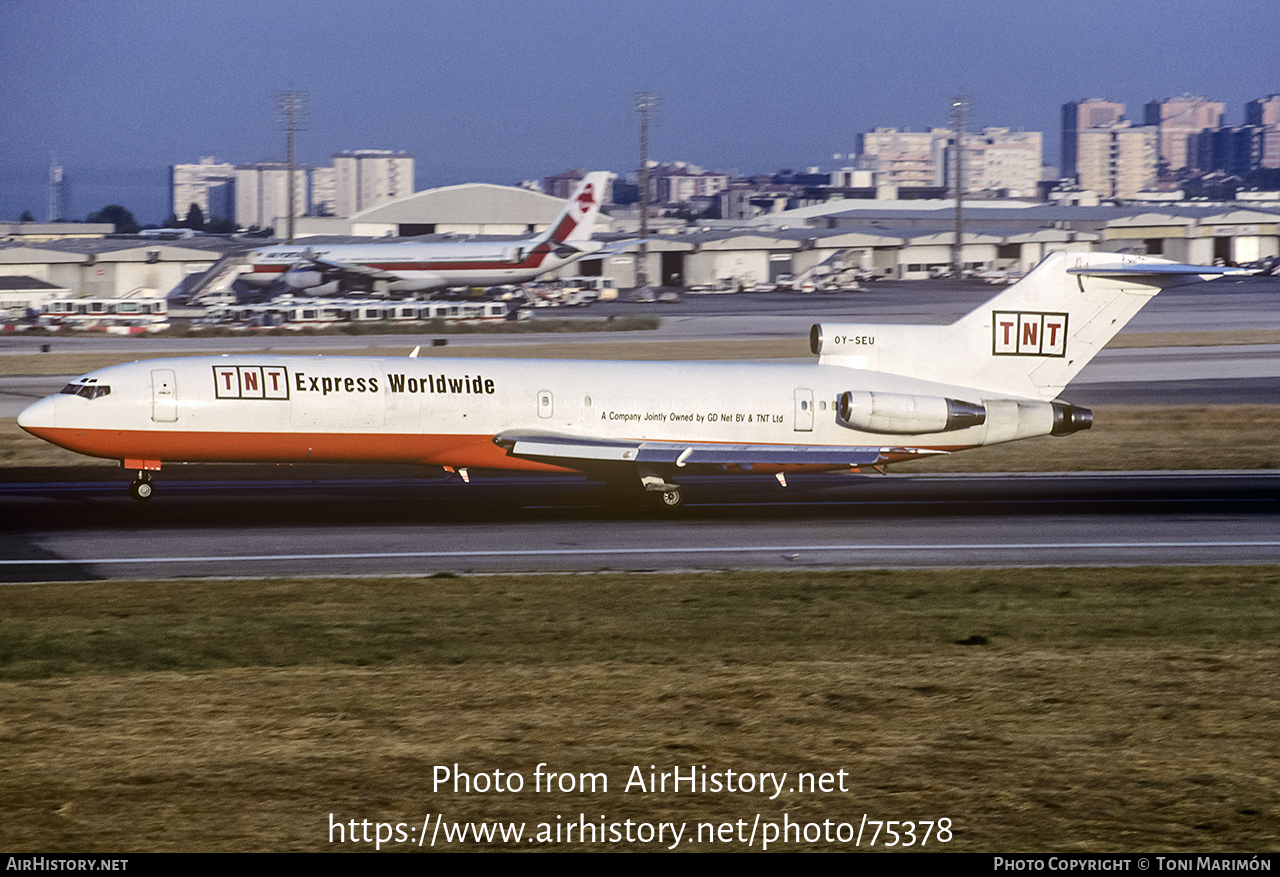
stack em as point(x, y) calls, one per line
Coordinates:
point(804, 410)
point(164, 396)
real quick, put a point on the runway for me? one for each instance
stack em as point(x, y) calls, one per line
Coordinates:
point(431, 526)
point(204, 523)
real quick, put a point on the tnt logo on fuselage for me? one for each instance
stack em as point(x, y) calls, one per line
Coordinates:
point(1022, 333)
point(251, 382)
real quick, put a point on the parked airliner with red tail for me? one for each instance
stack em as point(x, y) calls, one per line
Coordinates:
point(878, 394)
point(421, 266)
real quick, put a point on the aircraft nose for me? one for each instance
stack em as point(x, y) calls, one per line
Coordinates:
point(39, 415)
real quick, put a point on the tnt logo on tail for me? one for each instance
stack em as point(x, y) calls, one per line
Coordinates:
point(1022, 333)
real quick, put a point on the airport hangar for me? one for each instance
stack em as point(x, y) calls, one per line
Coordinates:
point(890, 239)
point(901, 240)
point(911, 244)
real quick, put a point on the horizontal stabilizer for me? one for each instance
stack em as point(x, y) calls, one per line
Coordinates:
point(1154, 270)
point(613, 248)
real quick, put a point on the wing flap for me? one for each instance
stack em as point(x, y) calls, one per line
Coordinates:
point(757, 455)
point(568, 450)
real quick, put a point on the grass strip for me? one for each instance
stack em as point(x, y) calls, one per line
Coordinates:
point(1040, 710)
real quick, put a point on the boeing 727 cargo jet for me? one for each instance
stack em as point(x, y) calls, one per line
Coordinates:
point(418, 266)
point(877, 394)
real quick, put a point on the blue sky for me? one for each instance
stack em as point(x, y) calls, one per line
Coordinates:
point(118, 90)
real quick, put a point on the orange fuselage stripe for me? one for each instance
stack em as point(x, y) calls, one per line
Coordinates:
point(178, 446)
point(286, 447)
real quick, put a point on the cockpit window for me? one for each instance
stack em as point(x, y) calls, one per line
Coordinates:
point(89, 391)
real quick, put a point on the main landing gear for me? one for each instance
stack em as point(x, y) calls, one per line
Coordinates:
point(629, 493)
point(142, 488)
point(668, 500)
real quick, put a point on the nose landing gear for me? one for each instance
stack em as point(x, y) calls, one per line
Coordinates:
point(142, 488)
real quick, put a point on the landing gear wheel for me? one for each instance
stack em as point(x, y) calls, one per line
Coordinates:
point(141, 489)
point(670, 499)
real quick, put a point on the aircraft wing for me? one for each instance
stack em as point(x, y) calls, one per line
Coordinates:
point(575, 452)
point(351, 269)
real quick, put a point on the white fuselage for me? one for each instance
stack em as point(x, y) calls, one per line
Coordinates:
point(416, 266)
point(447, 411)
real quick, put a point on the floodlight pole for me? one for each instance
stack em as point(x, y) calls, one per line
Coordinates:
point(293, 112)
point(959, 106)
point(646, 103)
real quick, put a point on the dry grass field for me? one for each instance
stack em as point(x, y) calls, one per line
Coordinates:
point(1038, 710)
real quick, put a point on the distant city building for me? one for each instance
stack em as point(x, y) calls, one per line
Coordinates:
point(848, 178)
point(679, 182)
point(1180, 120)
point(59, 195)
point(209, 185)
point(1263, 111)
point(996, 159)
point(1116, 160)
point(262, 195)
point(901, 158)
point(324, 192)
point(368, 177)
point(1104, 153)
point(1079, 115)
point(1239, 151)
point(255, 194)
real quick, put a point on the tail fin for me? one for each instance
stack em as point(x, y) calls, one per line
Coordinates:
point(578, 217)
point(1030, 340)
